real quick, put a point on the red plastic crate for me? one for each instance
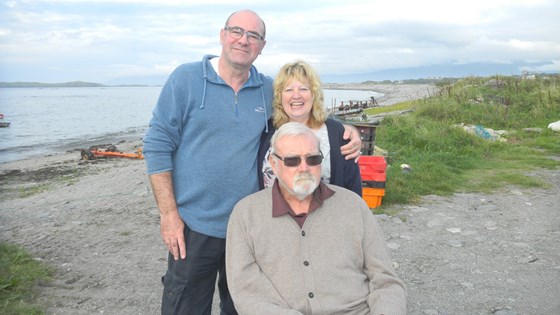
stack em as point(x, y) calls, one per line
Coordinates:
point(372, 168)
point(374, 176)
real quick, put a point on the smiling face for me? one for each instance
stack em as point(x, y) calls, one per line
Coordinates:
point(240, 53)
point(297, 100)
point(298, 96)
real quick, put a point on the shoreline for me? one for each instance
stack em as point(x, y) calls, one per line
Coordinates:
point(36, 152)
point(393, 93)
point(70, 155)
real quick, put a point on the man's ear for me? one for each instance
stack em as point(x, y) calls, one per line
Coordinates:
point(222, 33)
point(262, 47)
point(272, 162)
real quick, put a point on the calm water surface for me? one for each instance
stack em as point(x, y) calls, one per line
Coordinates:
point(50, 120)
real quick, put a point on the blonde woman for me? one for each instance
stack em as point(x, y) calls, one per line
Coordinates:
point(298, 97)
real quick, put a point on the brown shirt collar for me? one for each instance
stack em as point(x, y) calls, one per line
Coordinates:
point(281, 207)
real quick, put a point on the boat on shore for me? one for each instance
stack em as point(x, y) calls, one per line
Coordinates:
point(353, 107)
point(3, 124)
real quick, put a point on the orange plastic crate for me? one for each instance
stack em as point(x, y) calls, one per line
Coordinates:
point(373, 196)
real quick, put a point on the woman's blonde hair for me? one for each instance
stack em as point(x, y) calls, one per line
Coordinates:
point(303, 72)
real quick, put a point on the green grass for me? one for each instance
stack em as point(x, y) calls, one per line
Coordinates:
point(386, 109)
point(18, 275)
point(445, 159)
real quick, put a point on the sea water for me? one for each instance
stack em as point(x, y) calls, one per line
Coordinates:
point(50, 120)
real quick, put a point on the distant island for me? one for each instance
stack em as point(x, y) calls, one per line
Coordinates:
point(66, 84)
point(441, 81)
point(93, 84)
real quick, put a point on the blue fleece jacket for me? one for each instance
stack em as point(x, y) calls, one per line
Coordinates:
point(208, 137)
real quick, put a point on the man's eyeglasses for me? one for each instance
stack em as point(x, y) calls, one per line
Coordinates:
point(237, 32)
point(293, 161)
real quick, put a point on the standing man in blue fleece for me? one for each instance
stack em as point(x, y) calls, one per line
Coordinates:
point(201, 155)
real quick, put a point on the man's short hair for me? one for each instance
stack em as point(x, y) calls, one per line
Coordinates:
point(262, 22)
point(292, 129)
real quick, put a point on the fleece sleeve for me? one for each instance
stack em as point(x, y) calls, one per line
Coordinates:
point(164, 131)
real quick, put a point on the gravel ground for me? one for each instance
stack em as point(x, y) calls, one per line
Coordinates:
point(480, 253)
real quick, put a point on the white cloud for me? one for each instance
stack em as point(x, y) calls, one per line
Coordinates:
point(104, 39)
point(128, 71)
point(554, 66)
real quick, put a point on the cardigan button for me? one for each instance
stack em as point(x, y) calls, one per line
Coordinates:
point(302, 233)
point(306, 263)
point(311, 295)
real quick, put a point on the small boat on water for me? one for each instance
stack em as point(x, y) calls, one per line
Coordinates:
point(3, 124)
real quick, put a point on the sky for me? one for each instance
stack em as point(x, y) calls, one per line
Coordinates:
point(141, 41)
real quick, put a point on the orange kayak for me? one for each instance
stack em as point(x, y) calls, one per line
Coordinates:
point(93, 153)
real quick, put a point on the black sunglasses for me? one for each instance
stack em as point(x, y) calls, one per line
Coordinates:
point(293, 161)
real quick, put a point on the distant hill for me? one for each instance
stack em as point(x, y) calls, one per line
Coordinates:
point(38, 84)
point(66, 84)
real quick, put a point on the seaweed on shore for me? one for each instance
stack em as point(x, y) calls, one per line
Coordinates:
point(17, 183)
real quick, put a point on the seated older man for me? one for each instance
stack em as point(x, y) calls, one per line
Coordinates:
point(306, 247)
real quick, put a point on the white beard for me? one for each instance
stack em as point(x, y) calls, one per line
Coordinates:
point(304, 185)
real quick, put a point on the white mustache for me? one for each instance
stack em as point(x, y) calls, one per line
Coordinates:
point(304, 185)
point(303, 177)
